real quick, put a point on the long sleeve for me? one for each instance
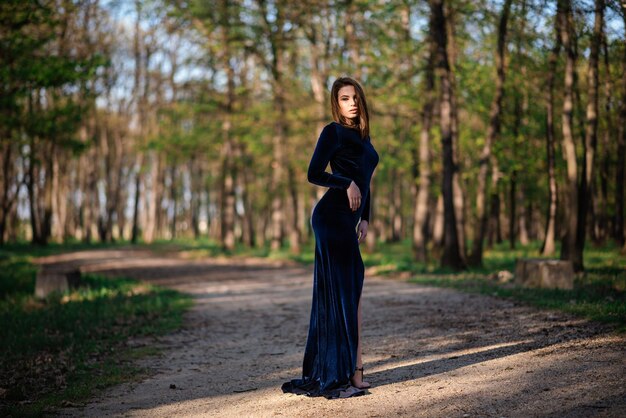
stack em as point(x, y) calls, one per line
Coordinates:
point(327, 145)
point(365, 216)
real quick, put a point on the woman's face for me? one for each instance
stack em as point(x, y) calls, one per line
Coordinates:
point(348, 104)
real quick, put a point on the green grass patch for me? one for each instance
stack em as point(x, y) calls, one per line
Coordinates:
point(29, 250)
point(68, 346)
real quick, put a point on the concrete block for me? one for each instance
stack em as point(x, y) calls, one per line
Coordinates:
point(52, 280)
point(544, 273)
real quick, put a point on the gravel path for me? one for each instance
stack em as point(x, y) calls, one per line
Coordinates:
point(428, 351)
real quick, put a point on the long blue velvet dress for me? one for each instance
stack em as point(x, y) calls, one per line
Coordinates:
point(331, 348)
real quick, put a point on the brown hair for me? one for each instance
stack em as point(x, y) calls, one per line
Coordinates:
point(363, 119)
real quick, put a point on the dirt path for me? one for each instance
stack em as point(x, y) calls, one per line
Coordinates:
point(428, 351)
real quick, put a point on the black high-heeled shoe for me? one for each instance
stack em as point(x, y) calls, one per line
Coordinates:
point(360, 369)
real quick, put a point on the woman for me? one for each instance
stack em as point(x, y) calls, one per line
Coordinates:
point(332, 365)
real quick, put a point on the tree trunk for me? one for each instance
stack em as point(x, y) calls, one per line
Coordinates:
point(278, 165)
point(591, 137)
point(274, 32)
point(382, 221)
point(124, 187)
point(548, 246)
point(196, 176)
point(227, 191)
point(294, 230)
point(395, 216)
point(601, 222)
point(228, 169)
point(250, 218)
point(522, 217)
point(48, 193)
point(591, 129)
point(568, 246)
point(113, 158)
point(139, 160)
point(459, 197)
point(152, 198)
point(422, 164)
point(10, 188)
point(451, 256)
point(513, 195)
point(437, 222)
point(619, 233)
point(61, 195)
point(520, 124)
point(493, 228)
point(138, 180)
point(173, 200)
point(33, 175)
point(476, 258)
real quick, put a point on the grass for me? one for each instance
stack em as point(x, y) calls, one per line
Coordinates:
point(29, 250)
point(59, 351)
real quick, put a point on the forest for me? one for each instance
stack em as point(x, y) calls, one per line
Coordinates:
point(158, 255)
point(136, 121)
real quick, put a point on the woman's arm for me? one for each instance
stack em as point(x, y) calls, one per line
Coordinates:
point(327, 145)
point(365, 216)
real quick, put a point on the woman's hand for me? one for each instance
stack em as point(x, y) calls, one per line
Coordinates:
point(362, 230)
point(354, 196)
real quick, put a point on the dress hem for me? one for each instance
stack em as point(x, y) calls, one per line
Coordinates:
point(339, 392)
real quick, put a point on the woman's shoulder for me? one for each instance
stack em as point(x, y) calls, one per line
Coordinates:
point(330, 129)
point(330, 134)
point(344, 131)
point(337, 128)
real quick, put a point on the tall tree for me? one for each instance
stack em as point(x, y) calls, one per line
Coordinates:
point(591, 135)
point(517, 213)
point(492, 133)
point(44, 64)
point(619, 233)
point(548, 247)
point(451, 256)
point(568, 245)
point(228, 172)
point(422, 163)
point(275, 30)
point(460, 206)
point(601, 207)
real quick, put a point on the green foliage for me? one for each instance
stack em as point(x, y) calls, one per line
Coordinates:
point(40, 73)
